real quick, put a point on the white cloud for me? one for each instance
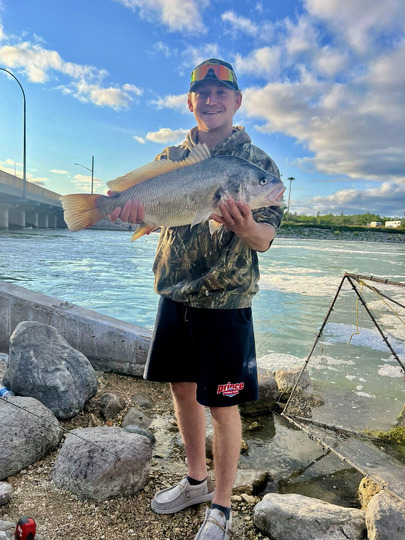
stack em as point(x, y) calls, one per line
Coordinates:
point(86, 81)
point(82, 183)
point(264, 62)
point(176, 103)
point(167, 135)
point(141, 140)
point(58, 171)
point(360, 21)
point(240, 24)
point(384, 200)
point(177, 15)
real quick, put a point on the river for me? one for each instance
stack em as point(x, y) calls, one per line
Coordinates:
point(104, 271)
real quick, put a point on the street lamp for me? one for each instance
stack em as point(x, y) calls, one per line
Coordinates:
point(91, 170)
point(24, 134)
point(290, 178)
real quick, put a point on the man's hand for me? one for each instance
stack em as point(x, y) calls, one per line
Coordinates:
point(237, 216)
point(133, 211)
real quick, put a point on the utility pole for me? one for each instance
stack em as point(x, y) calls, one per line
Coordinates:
point(290, 178)
point(91, 170)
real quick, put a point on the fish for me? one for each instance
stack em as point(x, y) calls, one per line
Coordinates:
point(176, 193)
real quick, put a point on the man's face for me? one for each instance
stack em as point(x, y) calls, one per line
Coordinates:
point(214, 105)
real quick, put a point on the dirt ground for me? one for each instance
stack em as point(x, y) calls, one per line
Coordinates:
point(61, 515)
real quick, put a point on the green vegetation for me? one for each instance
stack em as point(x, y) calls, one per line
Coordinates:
point(342, 222)
point(395, 435)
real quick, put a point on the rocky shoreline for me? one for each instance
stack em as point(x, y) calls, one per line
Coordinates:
point(349, 236)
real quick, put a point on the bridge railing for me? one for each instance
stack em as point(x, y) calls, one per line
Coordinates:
point(33, 189)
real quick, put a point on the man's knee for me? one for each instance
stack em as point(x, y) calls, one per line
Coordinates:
point(184, 391)
point(225, 414)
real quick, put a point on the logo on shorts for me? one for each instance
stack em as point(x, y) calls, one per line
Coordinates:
point(230, 389)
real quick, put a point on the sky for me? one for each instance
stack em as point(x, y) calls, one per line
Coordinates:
point(323, 85)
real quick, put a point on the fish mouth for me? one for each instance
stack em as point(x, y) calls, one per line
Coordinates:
point(276, 194)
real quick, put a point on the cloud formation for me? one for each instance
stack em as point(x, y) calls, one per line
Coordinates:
point(167, 135)
point(83, 82)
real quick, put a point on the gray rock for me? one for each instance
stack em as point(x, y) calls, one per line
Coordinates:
point(89, 471)
point(24, 437)
point(7, 529)
point(135, 417)
point(250, 481)
point(111, 405)
point(44, 366)
point(385, 517)
point(142, 400)
point(268, 394)
point(294, 517)
point(141, 431)
point(6, 491)
point(286, 379)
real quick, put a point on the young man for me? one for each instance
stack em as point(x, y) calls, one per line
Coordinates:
point(203, 342)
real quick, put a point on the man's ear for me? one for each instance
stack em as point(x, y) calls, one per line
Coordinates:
point(238, 101)
point(190, 105)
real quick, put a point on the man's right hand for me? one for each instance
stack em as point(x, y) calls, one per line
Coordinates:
point(133, 211)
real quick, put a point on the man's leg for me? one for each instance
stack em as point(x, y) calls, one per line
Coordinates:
point(226, 449)
point(191, 421)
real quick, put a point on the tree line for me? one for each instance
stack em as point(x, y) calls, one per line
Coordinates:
point(330, 220)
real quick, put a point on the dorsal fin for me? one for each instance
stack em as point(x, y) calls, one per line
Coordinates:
point(155, 168)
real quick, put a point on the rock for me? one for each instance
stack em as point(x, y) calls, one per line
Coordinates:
point(400, 421)
point(294, 517)
point(44, 366)
point(135, 417)
point(142, 400)
point(367, 490)
point(250, 481)
point(385, 517)
point(286, 379)
point(141, 431)
point(6, 491)
point(25, 438)
point(90, 472)
point(111, 405)
point(268, 395)
point(7, 529)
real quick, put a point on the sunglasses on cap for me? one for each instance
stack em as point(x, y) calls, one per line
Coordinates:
point(214, 71)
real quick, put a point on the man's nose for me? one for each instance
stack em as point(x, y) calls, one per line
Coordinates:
point(211, 99)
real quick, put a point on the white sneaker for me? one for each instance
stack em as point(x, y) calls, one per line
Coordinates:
point(215, 526)
point(174, 499)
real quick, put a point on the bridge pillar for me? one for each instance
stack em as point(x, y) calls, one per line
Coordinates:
point(52, 221)
point(16, 216)
point(31, 218)
point(43, 220)
point(4, 216)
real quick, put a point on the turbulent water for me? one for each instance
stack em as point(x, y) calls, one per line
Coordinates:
point(104, 271)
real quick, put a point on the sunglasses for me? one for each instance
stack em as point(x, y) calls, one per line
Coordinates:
point(222, 73)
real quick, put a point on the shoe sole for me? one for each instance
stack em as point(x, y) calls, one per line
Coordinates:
point(196, 500)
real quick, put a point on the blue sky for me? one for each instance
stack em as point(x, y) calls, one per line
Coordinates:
point(323, 90)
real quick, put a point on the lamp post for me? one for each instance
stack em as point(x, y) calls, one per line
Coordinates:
point(24, 134)
point(91, 170)
point(290, 178)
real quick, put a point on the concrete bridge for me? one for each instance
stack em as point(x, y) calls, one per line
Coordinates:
point(28, 206)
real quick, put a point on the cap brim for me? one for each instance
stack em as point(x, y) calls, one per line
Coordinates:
point(230, 85)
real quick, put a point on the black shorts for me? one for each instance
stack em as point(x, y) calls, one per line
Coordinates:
point(214, 348)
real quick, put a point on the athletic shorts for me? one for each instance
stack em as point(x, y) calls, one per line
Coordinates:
point(214, 348)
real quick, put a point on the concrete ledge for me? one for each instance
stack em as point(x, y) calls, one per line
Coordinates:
point(111, 345)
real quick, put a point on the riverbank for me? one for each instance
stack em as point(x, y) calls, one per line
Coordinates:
point(316, 233)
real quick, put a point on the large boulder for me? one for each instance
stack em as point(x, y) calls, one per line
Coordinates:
point(385, 517)
point(105, 462)
point(28, 431)
point(268, 395)
point(43, 365)
point(294, 517)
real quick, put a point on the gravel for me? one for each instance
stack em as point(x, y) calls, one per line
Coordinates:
point(61, 515)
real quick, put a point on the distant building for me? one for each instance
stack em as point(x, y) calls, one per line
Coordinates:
point(393, 224)
point(376, 224)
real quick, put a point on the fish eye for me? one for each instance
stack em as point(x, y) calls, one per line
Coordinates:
point(263, 181)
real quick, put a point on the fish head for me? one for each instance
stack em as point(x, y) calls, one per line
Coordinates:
point(261, 188)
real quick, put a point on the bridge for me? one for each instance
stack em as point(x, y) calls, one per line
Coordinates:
point(24, 204)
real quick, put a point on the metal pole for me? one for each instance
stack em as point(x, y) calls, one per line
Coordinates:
point(290, 178)
point(24, 134)
point(91, 170)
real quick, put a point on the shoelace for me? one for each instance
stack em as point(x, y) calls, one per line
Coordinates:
point(218, 524)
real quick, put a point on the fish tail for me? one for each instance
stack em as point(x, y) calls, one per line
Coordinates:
point(81, 210)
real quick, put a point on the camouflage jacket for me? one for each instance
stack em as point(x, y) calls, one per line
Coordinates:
point(217, 271)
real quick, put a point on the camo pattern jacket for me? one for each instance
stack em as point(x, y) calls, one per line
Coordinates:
point(217, 271)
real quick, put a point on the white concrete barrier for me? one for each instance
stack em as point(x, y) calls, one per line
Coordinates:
point(111, 345)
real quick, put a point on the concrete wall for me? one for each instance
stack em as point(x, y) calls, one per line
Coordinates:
point(111, 345)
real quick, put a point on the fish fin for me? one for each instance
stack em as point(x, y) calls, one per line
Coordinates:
point(202, 215)
point(214, 226)
point(155, 168)
point(81, 210)
point(141, 230)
